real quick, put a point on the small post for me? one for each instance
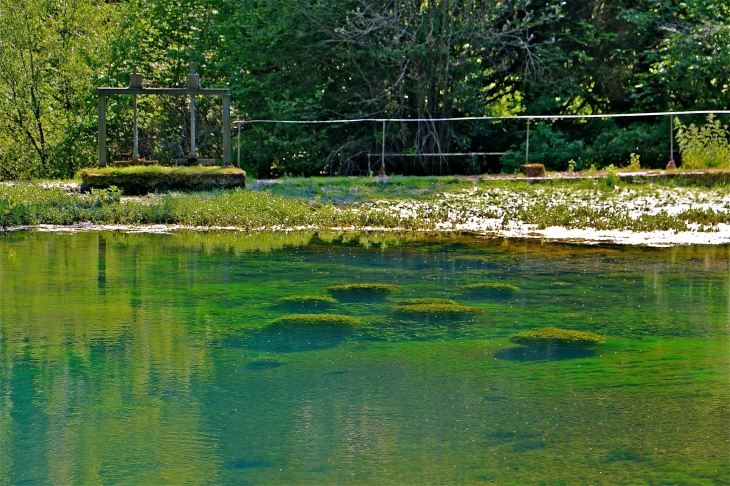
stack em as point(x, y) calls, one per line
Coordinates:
point(382, 153)
point(671, 137)
point(135, 154)
point(102, 130)
point(238, 155)
point(227, 130)
point(671, 164)
point(527, 146)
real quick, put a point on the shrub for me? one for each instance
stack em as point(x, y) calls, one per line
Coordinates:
point(703, 146)
point(547, 147)
point(490, 286)
point(545, 336)
point(616, 145)
point(365, 287)
point(316, 320)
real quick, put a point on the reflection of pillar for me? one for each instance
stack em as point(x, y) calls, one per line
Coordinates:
point(101, 269)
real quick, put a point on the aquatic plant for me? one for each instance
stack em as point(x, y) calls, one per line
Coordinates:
point(368, 287)
point(438, 309)
point(473, 258)
point(424, 300)
point(490, 286)
point(308, 299)
point(321, 320)
point(545, 336)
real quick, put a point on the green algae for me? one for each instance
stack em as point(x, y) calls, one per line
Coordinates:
point(364, 287)
point(489, 287)
point(545, 336)
point(438, 309)
point(316, 320)
point(307, 299)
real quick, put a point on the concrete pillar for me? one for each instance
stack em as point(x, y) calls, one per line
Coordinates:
point(102, 130)
point(226, 129)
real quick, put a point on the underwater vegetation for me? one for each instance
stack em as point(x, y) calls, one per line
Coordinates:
point(424, 300)
point(438, 309)
point(308, 299)
point(321, 320)
point(489, 286)
point(368, 287)
point(472, 258)
point(546, 336)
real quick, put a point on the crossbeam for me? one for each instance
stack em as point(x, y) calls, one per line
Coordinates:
point(193, 89)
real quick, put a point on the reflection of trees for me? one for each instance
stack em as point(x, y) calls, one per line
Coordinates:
point(114, 381)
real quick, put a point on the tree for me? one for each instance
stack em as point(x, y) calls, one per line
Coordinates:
point(51, 53)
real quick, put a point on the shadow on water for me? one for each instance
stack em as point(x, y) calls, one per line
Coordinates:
point(282, 338)
point(544, 353)
point(626, 454)
point(248, 464)
point(263, 365)
point(302, 307)
point(361, 297)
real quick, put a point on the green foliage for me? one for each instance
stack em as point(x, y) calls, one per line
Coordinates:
point(704, 146)
point(546, 336)
point(489, 287)
point(316, 320)
point(548, 147)
point(51, 54)
point(634, 162)
point(364, 287)
point(437, 309)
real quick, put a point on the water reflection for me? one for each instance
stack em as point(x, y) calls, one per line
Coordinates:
point(162, 365)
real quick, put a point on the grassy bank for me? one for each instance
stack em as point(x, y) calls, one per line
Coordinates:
point(397, 202)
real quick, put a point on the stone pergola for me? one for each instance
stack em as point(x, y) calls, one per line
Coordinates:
point(192, 90)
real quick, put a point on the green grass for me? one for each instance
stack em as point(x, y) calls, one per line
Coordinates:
point(357, 203)
point(438, 309)
point(489, 287)
point(364, 287)
point(362, 189)
point(316, 320)
point(544, 336)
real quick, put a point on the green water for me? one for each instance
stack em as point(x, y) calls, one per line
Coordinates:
point(148, 359)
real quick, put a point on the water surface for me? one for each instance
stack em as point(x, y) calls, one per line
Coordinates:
point(143, 359)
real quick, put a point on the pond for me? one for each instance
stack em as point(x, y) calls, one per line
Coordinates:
point(168, 358)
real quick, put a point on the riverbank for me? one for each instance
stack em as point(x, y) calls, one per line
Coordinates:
point(591, 211)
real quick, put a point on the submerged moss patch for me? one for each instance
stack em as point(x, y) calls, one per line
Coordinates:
point(473, 258)
point(308, 299)
point(545, 336)
point(425, 300)
point(490, 286)
point(438, 309)
point(321, 320)
point(364, 287)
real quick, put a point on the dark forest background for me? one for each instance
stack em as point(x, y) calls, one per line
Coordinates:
point(324, 59)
